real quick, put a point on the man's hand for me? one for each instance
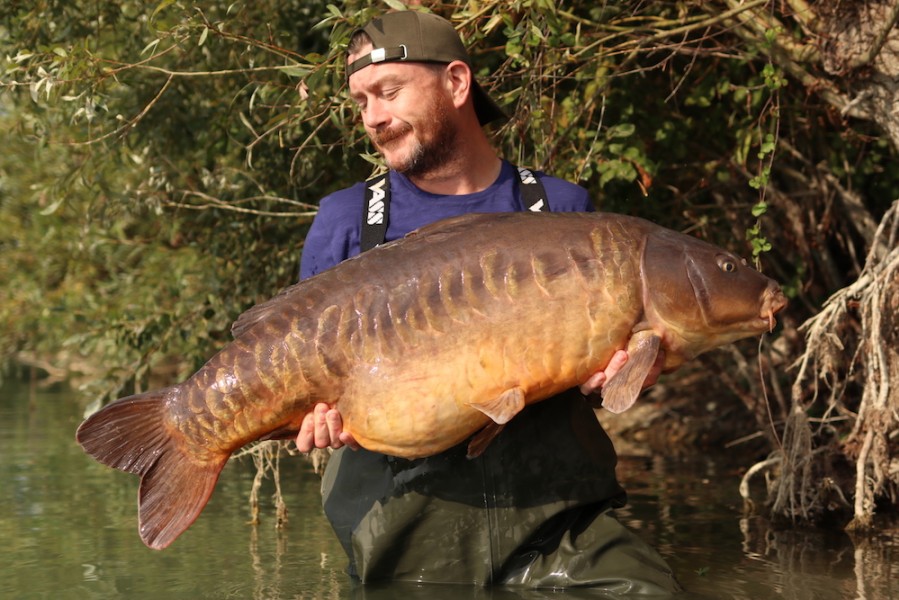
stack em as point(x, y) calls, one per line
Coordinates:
point(323, 428)
point(595, 383)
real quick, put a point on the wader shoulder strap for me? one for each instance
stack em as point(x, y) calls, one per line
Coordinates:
point(533, 194)
point(375, 211)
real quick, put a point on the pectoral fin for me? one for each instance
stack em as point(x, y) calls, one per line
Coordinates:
point(621, 391)
point(482, 439)
point(502, 408)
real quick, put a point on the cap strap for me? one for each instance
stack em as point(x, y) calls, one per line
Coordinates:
point(375, 56)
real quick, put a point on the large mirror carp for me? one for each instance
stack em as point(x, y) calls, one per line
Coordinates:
point(425, 341)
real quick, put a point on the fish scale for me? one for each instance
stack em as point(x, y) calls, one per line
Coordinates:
point(439, 337)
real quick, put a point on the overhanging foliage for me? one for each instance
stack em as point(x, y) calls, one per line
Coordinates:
point(164, 160)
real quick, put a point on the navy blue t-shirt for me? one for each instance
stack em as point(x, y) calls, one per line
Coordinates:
point(336, 231)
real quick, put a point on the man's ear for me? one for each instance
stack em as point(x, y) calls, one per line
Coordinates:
point(459, 81)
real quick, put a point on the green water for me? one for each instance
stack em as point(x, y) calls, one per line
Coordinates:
point(68, 529)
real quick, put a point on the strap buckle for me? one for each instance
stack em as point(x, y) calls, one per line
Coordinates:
point(378, 55)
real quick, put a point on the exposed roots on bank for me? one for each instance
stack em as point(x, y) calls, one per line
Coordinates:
point(839, 457)
point(267, 460)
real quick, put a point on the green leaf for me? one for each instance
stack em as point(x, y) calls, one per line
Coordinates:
point(53, 207)
point(621, 130)
point(161, 7)
point(494, 22)
point(513, 47)
point(760, 180)
point(296, 71)
point(150, 47)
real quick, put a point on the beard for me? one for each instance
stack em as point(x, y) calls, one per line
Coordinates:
point(433, 144)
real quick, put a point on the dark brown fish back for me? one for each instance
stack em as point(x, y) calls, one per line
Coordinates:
point(441, 276)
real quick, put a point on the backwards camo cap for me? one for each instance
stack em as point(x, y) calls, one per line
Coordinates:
point(412, 36)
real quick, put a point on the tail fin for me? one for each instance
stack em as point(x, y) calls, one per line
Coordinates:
point(135, 435)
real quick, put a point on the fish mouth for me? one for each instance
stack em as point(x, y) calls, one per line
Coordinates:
point(773, 302)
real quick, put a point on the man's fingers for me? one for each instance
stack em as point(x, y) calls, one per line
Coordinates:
point(305, 440)
point(321, 434)
point(348, 439)
point(335, 426)
point(598, 379)
point(594, 383)
point(616, 363)
point(323, 428)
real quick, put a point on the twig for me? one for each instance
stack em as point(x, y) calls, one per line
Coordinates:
point(750, 473)
point(130, 124)
point(879, 40)
point(213, 202)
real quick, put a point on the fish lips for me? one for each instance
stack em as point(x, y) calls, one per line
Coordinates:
point(773, 302)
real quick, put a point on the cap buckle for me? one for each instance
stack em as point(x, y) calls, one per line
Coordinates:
point(380, 54)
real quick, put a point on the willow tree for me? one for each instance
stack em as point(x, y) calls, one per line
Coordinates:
point(166, 159)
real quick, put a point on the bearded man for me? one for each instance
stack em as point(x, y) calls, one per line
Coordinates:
point(534, 509)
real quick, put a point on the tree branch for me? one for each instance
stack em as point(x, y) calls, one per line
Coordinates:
point(879, 40)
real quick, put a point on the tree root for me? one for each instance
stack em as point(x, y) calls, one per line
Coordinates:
point(858, 400)
point(267, 460)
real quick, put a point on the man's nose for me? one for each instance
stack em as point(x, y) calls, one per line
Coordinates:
point(375, 116)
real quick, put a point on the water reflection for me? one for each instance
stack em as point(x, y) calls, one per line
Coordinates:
point(69, 530)
point(693, 512)
point(69, 524)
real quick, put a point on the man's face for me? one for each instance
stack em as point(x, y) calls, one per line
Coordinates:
point(408, 113)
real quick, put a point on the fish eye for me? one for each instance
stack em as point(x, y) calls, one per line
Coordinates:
point(727, 264)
